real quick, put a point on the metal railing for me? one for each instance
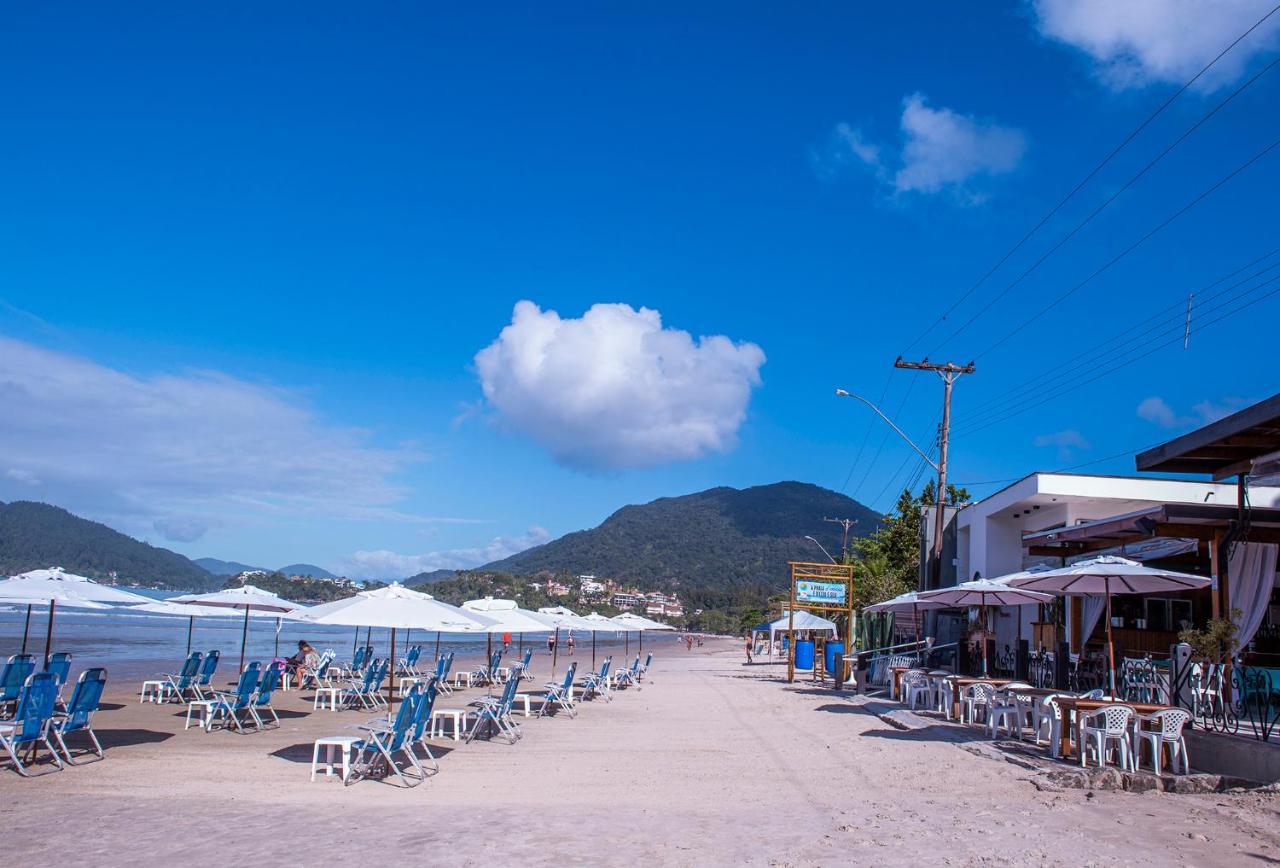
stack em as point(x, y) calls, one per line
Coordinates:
point(1235, 699)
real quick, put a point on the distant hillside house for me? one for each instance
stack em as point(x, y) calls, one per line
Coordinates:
point(590, 587)
point(627, 600)
point(663, 604)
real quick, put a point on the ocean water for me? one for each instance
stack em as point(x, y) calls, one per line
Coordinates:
point(137, 645)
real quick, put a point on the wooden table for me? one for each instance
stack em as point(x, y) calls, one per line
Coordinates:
point(1034, 691)
point(957, 684)
point(895, 688)
point(1075, 704)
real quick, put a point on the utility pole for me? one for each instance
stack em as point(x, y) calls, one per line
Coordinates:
point(846, 523)
point(949, 372)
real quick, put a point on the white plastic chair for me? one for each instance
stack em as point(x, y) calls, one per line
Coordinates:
point(1010, 709)
point(977, 697)
point(1170, 722)
point(1045, 715)
point(915, 689)
point(1117, 721)
point(939, 689)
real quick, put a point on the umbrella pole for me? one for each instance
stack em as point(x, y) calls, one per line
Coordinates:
point(279, 621)
point(355, 640)
point(191, 626)
point(640, 638)
point(48, 636)
point(555, 650)
point(1111, 642)
point(593, 649)
point(392, 669)
point(26, 629)
point(520, 639)
point(244, 637)
point(437, 646)
point(626, 643)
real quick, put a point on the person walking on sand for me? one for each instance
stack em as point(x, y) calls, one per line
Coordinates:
point(569, 639)
point(749, 657)
point(506, 642)
point(551, 643)
point(688, 641)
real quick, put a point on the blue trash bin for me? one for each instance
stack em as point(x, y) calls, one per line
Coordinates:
point(804, 653)
point(834, 651)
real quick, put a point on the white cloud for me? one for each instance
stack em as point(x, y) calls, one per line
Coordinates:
point(616, 389)
point(173, 452)
point(1158, 412)
point(1137, 42)
point(383, 564)
point(1067, 441)
point(942, 151)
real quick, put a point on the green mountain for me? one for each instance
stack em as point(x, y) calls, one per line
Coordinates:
point(711, 545)
point(430, 578)
point(35, 535)
point(223, 568)
point(306, 570)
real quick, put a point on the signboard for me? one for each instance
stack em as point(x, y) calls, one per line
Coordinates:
point(828, 593)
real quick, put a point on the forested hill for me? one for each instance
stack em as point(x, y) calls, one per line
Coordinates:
point(35, 535)
point(718, 539)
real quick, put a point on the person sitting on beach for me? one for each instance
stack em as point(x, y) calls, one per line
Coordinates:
point(305, 659)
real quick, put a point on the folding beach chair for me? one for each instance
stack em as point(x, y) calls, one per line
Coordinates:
point(644, 667)
point(443, 666)
point(320, 675)
point(560, 693)
point(496, 712)
point(185, 680)
point(597, 683)
point(630, 676)
point(422, 719)
point(488, 674)
point(382, 744)
point(78, 716)
point(30, 726)
point(521, 669)
point(367, 692)
point(262, 696)
point(14, 677)
point(232, 705)
point(60, 665)
point(409, 662)
point(204, 682)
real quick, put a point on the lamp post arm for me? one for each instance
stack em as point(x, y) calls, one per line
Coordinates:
point(846, 394)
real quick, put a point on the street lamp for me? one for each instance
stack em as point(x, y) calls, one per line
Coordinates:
point(842, 393)
point(824, 551)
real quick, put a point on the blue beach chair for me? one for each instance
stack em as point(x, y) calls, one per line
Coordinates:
point(232, 705)
point(30, 726)
point(262, 696)
point(367, 692)
point(496, 713)
point(560, 693)
point(521, 669)
point(204, 682)
point(78, 717)
point(629, 676)
point(488, 674)
point(14, 677)
point(383, 743)
point(443, 666)
point(185, 680)
point(597, 683)
point(409, 662)
point(60, 665)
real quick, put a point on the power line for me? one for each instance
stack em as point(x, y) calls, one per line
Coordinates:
point(1107, 202)
point(1121, 341)
point(1089, 177)
point(883, 439)
point(1060, 469)
point(1136, 244)
point(1074, 386)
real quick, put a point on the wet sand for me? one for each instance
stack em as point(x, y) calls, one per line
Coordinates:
point(711, 762)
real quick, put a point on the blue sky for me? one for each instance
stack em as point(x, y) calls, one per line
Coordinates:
point(248, 256)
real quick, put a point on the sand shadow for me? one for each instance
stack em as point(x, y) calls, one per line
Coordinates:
point(939, 734)
point(128, 737)
point(301, 752)
point(110, 706)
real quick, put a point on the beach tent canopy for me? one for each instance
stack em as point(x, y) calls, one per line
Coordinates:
point(803, 621)
point(508, 617)
point(631, 621)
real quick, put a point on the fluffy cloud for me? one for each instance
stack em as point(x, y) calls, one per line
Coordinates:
point(1067, 442)
point(616, 389)
point(1137, 42)
point(172, 453)
point(942, 151)
point(1158, 412)
point(383, 564)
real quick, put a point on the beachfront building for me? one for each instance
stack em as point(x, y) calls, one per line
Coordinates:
point(627, 600)
point(1226, 527)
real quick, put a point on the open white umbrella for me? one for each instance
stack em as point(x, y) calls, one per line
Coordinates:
point(983, 593)
point(603, 624)
point(1104, 576)
point(191, 612)
point(507, 617)
point(908, 602)
point(563, 618)
point(55, 585)
point(245, 598)
point(398, 608)
point(640, 624)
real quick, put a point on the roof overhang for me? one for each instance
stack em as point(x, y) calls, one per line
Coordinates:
point(1224, 448)
point(1200, 521)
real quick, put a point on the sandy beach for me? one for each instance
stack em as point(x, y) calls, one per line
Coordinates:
point(711, 762)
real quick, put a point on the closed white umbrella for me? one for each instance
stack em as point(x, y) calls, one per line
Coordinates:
point(55, 585)
point(398, 608)
point(983, 593)
point(1106, 575)
point(245, 598)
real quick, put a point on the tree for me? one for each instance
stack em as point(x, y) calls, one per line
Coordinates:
point(889, 559)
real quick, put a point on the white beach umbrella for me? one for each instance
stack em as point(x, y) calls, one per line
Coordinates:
point(245, 598)
point(563, 618)
point(1104, 576)
point(908, 602)
point(507, 617)
point(191, 612)
point(983, 593)
point(54, 586)
point(603, 624)
point(639, 622)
